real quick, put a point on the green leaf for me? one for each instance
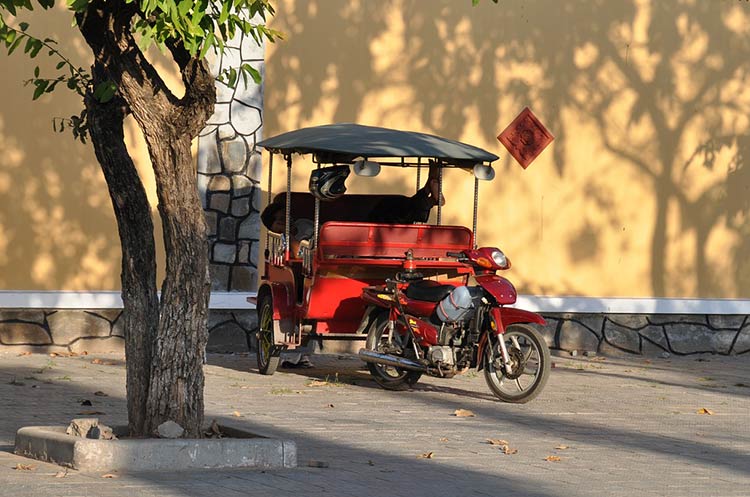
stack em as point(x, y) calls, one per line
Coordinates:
point(60, 65)
point(41, 86)
point(23, 25)
point(14, 45)
point(104, 92)
point(35, 50)
point(36, 72)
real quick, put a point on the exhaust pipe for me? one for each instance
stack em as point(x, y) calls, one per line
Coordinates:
point(390, 360)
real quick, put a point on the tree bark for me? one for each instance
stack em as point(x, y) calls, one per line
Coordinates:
point(133, 214)
point(168, 124)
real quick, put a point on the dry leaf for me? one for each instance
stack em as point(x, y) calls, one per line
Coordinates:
point(552, 458)
point(463, 413)
point(444, 439)
point(24, 467)
point(97, 361)
point(330, 405)
point(236, 414)
point(496, 441)
point(90, 413)
point(100, 394)
point(426, 455)
point(703, 410)
point(61, 474)
point(317, 383)
point(24, 353)
point(109, 475)
point(508, 451)
point(562, 447)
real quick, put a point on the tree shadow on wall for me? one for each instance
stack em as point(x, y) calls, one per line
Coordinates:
point(653, 78)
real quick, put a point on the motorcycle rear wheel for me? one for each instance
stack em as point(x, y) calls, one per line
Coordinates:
point(530, 363)
point(388, 377)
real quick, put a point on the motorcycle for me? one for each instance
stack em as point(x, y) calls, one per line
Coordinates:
point(419, 326)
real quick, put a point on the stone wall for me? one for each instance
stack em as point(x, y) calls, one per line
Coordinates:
point(653, 334)
point(229, 173)
point(100, 331)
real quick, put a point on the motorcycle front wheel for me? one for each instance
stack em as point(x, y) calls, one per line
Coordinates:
point(388, 377)
point(529, 360)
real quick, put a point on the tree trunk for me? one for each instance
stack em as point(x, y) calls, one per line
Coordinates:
point(175, 381)
point(133, 214)
point(176, 391)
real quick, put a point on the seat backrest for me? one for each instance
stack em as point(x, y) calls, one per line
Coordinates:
point(357, 240)
point(354, 207)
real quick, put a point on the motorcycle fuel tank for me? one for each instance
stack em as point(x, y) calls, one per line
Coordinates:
point(497, 286)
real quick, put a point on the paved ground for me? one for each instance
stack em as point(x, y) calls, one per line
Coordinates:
point(620, 427)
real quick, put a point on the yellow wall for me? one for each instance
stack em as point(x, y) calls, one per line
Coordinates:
point(644, 191)
point(57, 227)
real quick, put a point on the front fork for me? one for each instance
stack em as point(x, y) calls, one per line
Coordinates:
point(496, 324)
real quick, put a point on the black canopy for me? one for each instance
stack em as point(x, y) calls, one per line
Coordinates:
point(345, 141)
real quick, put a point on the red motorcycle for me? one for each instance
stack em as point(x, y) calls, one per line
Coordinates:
point(418, 326)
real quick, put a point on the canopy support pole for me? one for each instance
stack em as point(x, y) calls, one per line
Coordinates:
point(440, 194)
point(287, 223)
point(268, 199)
point(476, 204)
point(419, 172)
point(317, 219)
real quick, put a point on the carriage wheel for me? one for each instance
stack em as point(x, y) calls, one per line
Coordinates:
point(267, 351)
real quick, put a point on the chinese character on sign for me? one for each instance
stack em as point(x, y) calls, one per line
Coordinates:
point(525, 138)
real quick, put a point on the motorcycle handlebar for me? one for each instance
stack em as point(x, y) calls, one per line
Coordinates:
point(456, 255)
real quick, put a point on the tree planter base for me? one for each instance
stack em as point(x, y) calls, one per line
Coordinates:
point(242, 450)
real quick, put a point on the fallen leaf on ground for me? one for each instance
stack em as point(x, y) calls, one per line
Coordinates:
point(236, 414)
point(562, 447)
point(61, 474)
point(317, 383)
point(552, 458)
point(86, 402)
point(90, 413)
point(24, 467)
point(109, 475)
point(496, 441)
point(463, 413)
point(508, 451)
point(100, 394)
point(330, 405)
point(742, 385)
point(24, 353)
point(317, 464)
point(370, 463)
point(703, 410)
point(97, 361)
point(426, 455)
point(444, 439)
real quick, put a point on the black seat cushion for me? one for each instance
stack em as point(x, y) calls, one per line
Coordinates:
point(428, 290)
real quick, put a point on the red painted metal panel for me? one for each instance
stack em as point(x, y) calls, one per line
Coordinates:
point(525, 138)
point(499, 287)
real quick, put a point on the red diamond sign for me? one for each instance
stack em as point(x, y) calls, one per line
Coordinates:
point(525, 138)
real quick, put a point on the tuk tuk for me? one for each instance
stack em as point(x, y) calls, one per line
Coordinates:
point(310, 297)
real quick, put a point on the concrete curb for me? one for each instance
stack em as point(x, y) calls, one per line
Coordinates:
point(52, 444)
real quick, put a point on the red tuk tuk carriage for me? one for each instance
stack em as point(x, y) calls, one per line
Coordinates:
point(315, 297)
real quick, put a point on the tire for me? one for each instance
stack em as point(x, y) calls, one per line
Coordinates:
point(267, 352)
point(388, 377)
point(530, 361)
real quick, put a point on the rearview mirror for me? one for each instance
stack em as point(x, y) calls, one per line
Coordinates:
point(484, 173)
point(364, 167)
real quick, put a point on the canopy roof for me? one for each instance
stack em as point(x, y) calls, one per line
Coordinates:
point(345, 141)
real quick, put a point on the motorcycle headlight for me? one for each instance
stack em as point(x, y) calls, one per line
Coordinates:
point(499, 259)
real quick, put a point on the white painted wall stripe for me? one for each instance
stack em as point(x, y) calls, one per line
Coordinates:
point(238, 300)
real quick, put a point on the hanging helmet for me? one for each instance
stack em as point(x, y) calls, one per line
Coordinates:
point(327, 183)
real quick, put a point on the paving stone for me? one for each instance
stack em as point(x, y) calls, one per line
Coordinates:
point(633, 321)
point(219, 277)
point(224, 252)
point(621, 337)
point(688, 338)
point(242, 185)
point(220, 183)
point(742, 345)
point(656, 337)
point(23, 333)
point(234, 152)
point(244, 279)
point(227, 337)
point(66, 326)
point(29, 316)
point(108, 345)
point(575, 336)
point(726, 322)
point(219, 202)
point(241, 207)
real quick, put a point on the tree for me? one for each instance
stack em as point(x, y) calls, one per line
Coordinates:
point(165, 337)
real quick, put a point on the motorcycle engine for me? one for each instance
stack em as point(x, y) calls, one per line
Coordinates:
point(441, 354)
